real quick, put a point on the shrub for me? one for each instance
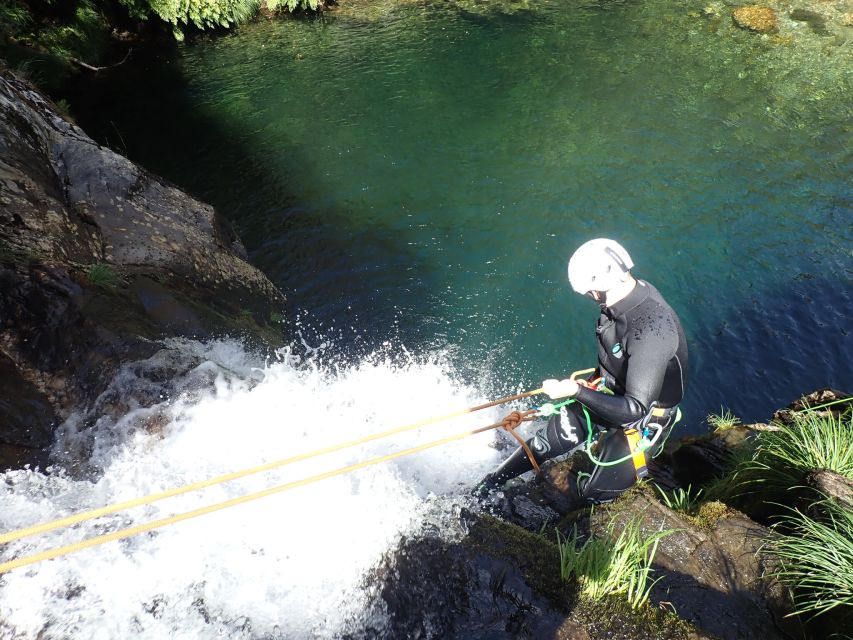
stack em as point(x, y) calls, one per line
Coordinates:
point(206, 14)
point(292, 5)
point(604, 568)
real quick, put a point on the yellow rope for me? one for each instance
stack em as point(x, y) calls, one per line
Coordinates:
point(156, 524)
point(131, 531)
point(137, 502)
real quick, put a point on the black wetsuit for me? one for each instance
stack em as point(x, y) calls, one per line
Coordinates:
point(642, 356)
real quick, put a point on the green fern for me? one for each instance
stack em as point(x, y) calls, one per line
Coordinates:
point(203, 14)
point(292, 5)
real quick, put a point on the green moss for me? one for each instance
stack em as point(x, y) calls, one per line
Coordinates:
point(708, 513)
point(614, 618)
point(535, 556)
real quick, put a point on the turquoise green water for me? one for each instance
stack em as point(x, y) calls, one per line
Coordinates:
point(421, 176)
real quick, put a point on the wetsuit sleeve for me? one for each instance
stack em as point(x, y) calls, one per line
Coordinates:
point(648, 359)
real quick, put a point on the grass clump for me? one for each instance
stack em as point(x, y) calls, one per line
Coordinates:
point(782, 458)
point(693, 507)
point(816, 558)
point(103, 275)
point(606, 568)
point(723, 421)
point(680, 499)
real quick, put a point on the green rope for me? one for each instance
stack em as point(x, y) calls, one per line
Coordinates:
point(550, 409)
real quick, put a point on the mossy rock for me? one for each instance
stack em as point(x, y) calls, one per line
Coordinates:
point(709, 567)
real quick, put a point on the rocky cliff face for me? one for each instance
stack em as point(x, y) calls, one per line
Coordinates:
point(98, 259)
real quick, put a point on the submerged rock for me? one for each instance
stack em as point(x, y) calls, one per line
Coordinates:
point(816, 21)
point(756, 18)
point(98, 260)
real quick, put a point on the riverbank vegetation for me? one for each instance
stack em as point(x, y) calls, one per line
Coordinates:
point(46, 40)
point(794, 474)
point(816, 556)
point(605, 568)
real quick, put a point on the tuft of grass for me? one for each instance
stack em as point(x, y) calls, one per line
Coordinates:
point(606, 568)
point(816, 558)
point(681, 500)
point(694, 507)
point(723, 421)
point(782, 458)
point(103, 275)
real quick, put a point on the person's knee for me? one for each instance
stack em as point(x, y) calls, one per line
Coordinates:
point(566, 431)
point(614, 471)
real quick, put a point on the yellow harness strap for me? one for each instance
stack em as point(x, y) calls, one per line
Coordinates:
point(637, 455)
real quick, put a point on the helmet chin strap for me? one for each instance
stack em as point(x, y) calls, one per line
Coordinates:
point(621, 290)
point(599, 296)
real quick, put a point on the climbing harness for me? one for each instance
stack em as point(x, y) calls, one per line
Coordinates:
point(642, 435)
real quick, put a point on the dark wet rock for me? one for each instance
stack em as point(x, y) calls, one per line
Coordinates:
point(757, 19)
point(816, 21)
point(697, 461)
point(431, 588)
point(529, 515)
point(500, 581)
point(712, 575)
point(98, 260)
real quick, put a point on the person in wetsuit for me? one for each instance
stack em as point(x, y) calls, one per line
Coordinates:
point(642, 366)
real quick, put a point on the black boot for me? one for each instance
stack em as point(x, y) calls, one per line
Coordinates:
point(513, 467)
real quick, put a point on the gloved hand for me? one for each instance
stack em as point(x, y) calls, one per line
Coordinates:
point(555, 389)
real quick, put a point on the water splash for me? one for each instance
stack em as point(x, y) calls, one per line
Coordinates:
point(292, 565)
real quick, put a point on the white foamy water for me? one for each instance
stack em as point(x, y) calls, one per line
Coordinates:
point(293, 565)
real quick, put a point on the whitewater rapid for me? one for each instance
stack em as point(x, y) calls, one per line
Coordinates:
point(293, 565)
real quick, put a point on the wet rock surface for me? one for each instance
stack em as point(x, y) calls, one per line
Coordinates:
point(98, 260)
point(712, 576)
point(499, 582)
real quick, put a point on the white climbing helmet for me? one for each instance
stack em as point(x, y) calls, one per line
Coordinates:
point(599, 265)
